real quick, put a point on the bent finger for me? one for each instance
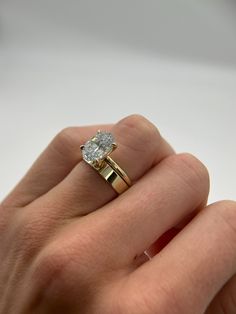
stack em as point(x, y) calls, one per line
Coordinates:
point(140, 147)
point(52, 166)
point(195, 265)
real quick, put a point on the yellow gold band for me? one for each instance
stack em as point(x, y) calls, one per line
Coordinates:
point(114, 175)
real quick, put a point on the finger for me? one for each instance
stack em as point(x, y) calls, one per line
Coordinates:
point(162, 198)
point(140, 146)
point(196, 264)
point(58, 159)
point(225, 300)
point(164, 239)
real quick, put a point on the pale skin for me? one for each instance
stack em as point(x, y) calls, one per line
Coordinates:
point(70, 245)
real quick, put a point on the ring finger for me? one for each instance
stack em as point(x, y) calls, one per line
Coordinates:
point(83, 190)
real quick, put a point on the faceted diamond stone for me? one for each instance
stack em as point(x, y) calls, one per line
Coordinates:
point(98, 147)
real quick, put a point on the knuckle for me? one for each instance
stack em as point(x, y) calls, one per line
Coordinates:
point(5, 217)
point(149, 303)
point(191, 169)
point(226, 210)
point(48, 266)
point(195, 166)
point(163, 298)
point(31, 231)
point(169, 300)
point(66, 140)
point(59, 271)
point(65, 135)
point(138, 130)
point(48, 275)
point(136, 121)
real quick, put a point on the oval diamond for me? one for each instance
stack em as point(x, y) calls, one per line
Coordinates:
point(98, 147)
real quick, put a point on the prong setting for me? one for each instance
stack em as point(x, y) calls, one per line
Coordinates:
point(96, 149)
point(114, 146)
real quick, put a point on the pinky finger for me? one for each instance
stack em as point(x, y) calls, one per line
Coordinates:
point(187, 274)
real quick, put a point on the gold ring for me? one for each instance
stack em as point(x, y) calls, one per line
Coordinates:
point(96, 152)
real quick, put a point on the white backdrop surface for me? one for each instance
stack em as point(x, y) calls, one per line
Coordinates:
point(71, 63)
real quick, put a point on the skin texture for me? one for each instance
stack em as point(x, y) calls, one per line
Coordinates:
point(70, 245)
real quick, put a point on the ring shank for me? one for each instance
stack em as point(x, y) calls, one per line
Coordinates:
point(114, 175)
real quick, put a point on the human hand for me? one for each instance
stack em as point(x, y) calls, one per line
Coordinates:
point(69, 245)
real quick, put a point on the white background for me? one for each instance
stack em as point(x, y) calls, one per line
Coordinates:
point(66, 63)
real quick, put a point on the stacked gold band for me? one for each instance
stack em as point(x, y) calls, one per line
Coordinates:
point(114, 175)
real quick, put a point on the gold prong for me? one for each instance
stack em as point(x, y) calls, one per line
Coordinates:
point(114, 146)
point(97, 163)
point(81, 147)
